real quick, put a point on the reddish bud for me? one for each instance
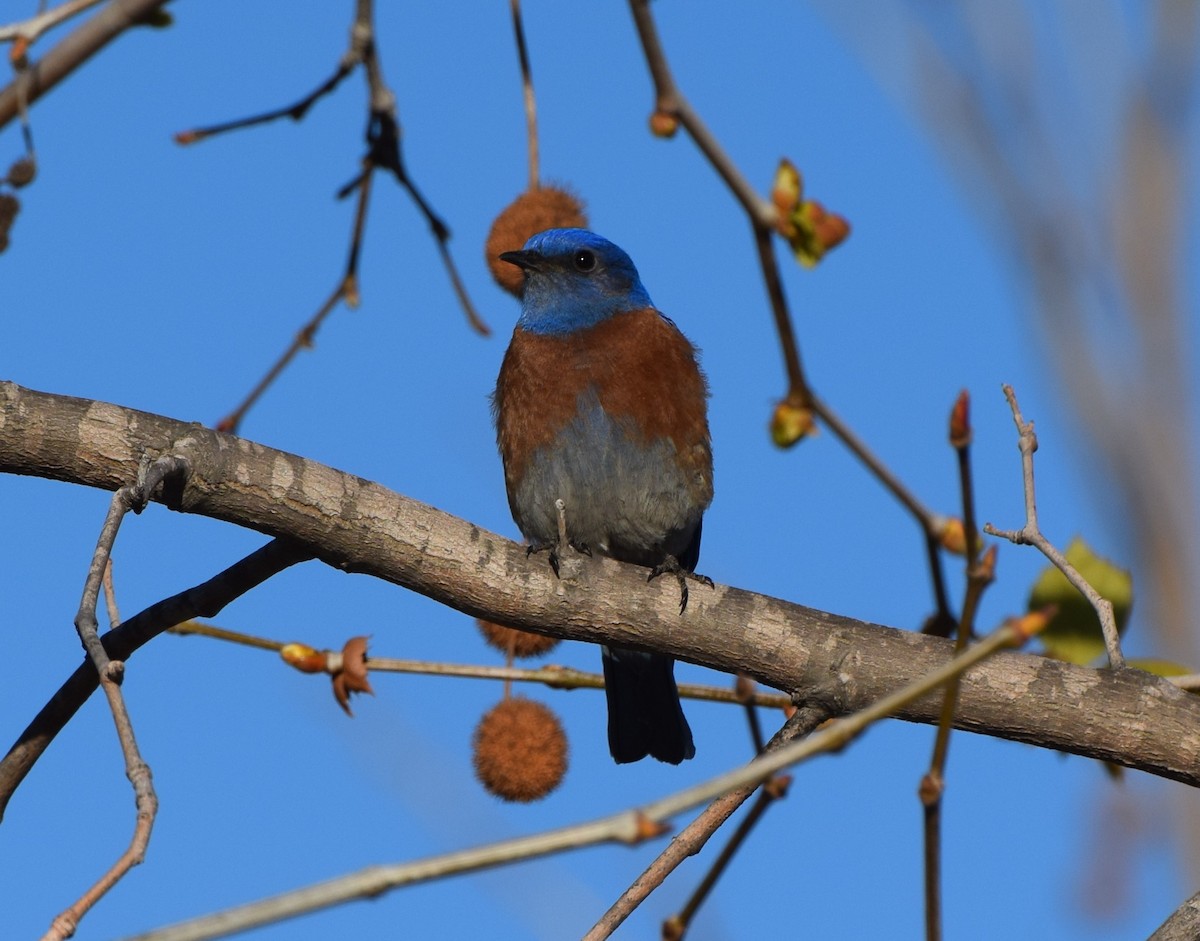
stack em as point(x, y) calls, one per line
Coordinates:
point(304, 658)
point(663, 124)
point(960, 421)
point(1033, 622)
point(18, 52)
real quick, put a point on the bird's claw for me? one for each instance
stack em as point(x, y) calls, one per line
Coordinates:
point(550, 547)
point(554, 552)
point(670, 565)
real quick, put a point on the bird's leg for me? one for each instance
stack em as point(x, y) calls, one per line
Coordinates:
point(557, 548)
point(670, 566)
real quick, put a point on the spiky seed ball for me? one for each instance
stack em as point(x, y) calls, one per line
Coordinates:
point(9, 207)
point(22, 172)
point(520, 750)
point(532, 212)
point(521, 644)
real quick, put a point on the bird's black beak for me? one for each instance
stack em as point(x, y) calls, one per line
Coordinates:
point(526, 261)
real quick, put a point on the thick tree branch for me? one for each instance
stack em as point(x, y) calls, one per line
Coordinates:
point(1130, 718)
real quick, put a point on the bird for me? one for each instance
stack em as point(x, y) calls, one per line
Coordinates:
point(601, 404)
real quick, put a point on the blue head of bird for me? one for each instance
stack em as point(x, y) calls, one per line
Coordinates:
point(574, 279)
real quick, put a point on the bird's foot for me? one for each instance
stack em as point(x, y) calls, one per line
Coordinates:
point(557, 548)
point(550, 547)
point(670, 566)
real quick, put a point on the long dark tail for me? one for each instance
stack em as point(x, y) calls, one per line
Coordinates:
point(644, 714)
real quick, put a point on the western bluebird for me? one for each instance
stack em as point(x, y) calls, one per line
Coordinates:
point(600, 403)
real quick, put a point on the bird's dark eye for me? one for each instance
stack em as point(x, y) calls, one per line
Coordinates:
point(585, 260)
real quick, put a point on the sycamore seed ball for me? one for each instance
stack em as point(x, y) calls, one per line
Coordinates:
point(532, 212)
point(520, 750)
point(520, 644)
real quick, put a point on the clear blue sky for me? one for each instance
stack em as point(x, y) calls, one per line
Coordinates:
point(167, 279)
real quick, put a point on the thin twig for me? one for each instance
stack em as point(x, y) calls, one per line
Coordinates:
point(979, 575)
point(110, 672)
point(631, 826)
point(31, 29)
point(714, 816)
point(295, 111)
point(346, 290)
point(110, 598)
point(925, 518)
point(383, 152)
point(203, 600)
point(669, 100)
point(555, 677)
point(832, 737)
point(530, 99)
point(72, 51)
point(763, 216)
point(1030, 534)
point(675, 927)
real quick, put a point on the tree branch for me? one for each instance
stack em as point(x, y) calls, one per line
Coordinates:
point(1131, 718)
point(206, 599)
point(74, 50)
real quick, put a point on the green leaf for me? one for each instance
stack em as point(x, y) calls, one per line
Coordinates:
point(1074, 631)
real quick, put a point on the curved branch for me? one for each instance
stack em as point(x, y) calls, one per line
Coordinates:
point(1128, 717)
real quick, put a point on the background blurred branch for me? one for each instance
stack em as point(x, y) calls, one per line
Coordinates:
point(74, 50)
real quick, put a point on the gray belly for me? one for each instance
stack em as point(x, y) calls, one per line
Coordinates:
point(624, 497)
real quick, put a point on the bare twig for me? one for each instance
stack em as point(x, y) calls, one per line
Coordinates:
point(926, 519)
point(763, 216)
point(675, 927)
point(296, 111)
point(669, 100)
point(205, 599)
point(71, 52)
point(631, 826)
point(530, 99)
point(31, 29)
point(110, 597)
point(834, 736)
point(110, 672)
point(1030, 534)
point(383, 153)
point(979, 576)
point(697, 833)
point(553, 676)
point(345, 291)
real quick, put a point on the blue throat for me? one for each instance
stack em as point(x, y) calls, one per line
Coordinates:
point(551, 308)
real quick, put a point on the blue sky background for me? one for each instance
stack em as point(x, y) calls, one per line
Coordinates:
point(167, 279)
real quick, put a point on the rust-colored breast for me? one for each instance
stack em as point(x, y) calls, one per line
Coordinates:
point(641, 367)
